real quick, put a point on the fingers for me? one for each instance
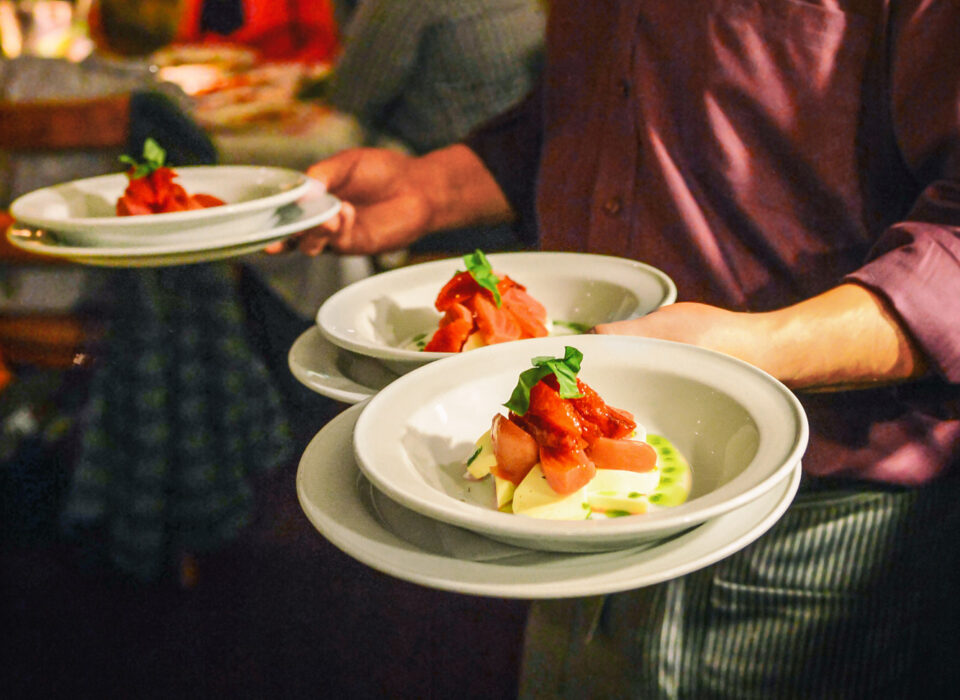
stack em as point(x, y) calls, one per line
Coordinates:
point(313, 241)
point(336, 171)
point(282, 246)
point(630, 327)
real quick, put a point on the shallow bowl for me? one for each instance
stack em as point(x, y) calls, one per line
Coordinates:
point(381, 315)
point(83, 211)
point(741, 430)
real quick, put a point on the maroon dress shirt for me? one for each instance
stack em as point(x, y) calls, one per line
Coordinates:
point(761, 152)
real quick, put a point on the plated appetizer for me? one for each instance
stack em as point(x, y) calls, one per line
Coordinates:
point(481, 308)
point(562, 453)
point(151, 189)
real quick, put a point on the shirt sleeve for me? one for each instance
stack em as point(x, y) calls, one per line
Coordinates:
point(380, 51)
point(915, 264)
point(509, 146)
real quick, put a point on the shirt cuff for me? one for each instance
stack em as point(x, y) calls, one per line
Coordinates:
point(916, 267)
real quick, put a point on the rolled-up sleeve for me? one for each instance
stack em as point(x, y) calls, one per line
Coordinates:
point(915, 264)
point(509, 146)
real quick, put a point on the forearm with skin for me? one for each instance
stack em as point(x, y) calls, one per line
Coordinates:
point(459, 188)
point(845, 338)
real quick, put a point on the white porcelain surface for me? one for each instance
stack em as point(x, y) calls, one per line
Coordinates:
point(83, 211)
point(365, 524)
point(334, 372)
point(307, 212)
point(379, 315)
point(741, 431)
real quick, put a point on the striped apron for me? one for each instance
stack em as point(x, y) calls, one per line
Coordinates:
point(854, 593)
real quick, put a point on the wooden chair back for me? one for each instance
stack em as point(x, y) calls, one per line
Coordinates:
point(48, 126)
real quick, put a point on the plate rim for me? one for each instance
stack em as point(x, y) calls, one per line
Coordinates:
point(575, 535)
point(349, 341)
point(301, 182)
point(330, 203)
point(394, 556)
point(354, 392)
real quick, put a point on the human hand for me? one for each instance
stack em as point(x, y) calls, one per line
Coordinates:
point(697, 324)
point(383, 207)
point(846, 337)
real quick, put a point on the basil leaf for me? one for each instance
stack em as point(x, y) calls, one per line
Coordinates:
point(564, 369)
point(154, 154)
point(153, 158)
point(519, 400)
point(479, 268)
point(574, 326)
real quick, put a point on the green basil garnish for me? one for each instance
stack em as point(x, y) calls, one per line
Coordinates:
point(564, 369)
point(573, 326)
point(479, 268)
point(153, 158)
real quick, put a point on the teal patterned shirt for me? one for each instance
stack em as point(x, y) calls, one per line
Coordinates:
point(427, 72)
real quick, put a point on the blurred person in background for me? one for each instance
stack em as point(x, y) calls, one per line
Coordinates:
point(795, 168)
point(133, 27)
point(426, 73)
point(280, 30)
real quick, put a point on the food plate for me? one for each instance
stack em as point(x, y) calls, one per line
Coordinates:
point(334, 372)
point(378, 316)
point(740, 429)
point(362, 522)
point(83, 211)
point(310, 211)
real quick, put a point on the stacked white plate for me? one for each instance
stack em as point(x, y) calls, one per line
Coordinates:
point(363, 336)
point(76, 220)
point(384, 480)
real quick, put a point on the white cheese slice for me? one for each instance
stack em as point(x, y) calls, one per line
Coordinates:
point(505, 491)
point(480, 465)
point(621, 490)
point(534, 498)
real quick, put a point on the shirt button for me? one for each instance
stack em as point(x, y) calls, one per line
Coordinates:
point(623, 87)
point(613, 206)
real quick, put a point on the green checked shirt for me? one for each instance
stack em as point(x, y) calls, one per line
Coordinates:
point(427, 72)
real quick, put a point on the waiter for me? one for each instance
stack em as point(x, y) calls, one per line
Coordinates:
point(795, 168)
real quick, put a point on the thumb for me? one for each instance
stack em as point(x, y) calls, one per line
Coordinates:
point(333, 172)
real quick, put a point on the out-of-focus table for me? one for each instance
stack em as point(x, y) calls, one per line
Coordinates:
point(258, 114)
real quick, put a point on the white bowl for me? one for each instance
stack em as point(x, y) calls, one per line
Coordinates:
point(379, 315)
point(741, 430)
point(84, 211)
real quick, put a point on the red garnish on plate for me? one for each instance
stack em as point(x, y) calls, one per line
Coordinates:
point(478, 301)
point(576, 432)
point(151, 189)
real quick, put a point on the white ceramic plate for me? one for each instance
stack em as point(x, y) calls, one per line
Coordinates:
point(83, 211)
point(740, 429)
point(378, 532)
point(334, 372)
point(310, 211)
point(379, 315)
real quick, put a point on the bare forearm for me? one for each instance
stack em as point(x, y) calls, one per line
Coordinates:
point(843, 338)
point(461, 190)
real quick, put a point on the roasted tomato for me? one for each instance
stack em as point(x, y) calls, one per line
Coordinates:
point(515, 449)
point(627, 455)
point(566, 470)
point(494, 324)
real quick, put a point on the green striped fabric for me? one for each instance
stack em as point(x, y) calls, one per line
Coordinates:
point(853, 594)
point(427, 72)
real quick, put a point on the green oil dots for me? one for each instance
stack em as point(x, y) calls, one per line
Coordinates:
point(673, 488)
point(669, 495)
